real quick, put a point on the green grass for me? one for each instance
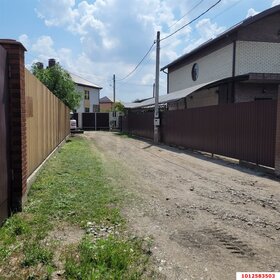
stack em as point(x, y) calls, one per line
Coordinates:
point(72, 189)
point(112, 258)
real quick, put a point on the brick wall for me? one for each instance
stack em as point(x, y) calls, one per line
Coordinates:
point(257, 57)
point(17, 119)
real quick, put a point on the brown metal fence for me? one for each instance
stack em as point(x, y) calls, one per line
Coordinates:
point(244, 131)
point(4, 178)
point(47, 123)
point(140, 124)
point(95, 121)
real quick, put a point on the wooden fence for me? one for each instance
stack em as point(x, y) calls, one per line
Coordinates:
point(245, 131)
point(47, 122)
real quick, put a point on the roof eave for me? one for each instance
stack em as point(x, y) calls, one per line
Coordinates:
point(84, 85)
point(224, 35)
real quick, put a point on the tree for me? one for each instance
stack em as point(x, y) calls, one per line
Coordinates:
point(119, 107)
point(59, 82)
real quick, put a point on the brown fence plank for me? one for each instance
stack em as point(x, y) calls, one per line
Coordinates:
point(48, 125)
point(244, 131)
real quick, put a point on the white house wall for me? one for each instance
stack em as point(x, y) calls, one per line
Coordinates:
point(215, 66)
point(257, 57)
point(93, 98)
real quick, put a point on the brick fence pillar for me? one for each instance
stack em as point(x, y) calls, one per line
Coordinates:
point(277, 142)
point(17, 121)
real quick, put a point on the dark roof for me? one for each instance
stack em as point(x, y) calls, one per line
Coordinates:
point(105, 99)
point(225, 34)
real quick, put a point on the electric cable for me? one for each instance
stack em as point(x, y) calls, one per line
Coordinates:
point(186, 14)
point(130, 73)
point(190, 22)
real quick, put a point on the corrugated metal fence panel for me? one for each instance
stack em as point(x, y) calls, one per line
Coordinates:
point(247, 131)
point(124, 120)
point(267, 112)
point(102, 120)
point(189, 128)
point(47, 121)
point(141, 124)
point(88, 120)
point(244, 131)
point(4, 183)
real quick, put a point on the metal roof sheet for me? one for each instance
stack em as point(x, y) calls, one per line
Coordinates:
point(176, 95)
point(81, 81)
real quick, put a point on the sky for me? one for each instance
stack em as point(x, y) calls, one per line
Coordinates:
point(96, 39)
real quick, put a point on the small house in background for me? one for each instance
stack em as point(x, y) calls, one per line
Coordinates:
point(106, 104)
point(90, 95)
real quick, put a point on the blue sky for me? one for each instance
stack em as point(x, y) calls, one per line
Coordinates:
point(96, 39)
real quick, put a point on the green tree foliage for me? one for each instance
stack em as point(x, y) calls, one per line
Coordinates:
point(119, 107)
point(59, 82)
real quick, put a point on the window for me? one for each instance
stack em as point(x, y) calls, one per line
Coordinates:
point(86, 110)
point(95, 108)
point(195, 71)
point(87, 94)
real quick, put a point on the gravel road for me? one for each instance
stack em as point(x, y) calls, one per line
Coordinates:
point(209, 217)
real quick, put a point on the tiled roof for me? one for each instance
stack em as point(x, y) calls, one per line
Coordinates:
point(105, 99)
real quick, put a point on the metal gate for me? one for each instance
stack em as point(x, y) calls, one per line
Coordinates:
point(4, 178)
point(95, 121)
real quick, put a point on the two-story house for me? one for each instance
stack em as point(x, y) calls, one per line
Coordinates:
point(90, 95)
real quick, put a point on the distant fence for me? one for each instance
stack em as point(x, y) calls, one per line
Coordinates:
point(47, 121)
point(245, 131)
point(92, 121)
point(141, 124)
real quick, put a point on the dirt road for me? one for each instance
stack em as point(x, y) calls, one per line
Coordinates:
point(209, 218)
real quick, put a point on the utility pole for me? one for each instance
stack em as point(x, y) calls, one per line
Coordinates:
point(114, 88)
point(156, 114)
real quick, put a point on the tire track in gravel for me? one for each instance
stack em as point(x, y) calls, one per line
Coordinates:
point(209, 218)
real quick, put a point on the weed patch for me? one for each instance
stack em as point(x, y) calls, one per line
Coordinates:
point(111, 258)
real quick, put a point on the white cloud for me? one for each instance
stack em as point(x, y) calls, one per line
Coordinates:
point(251, 13)
point(115, 35)
point(44, 48)
point(24, 39)
point(206, 31)
point(275, 3)
point(57, 13)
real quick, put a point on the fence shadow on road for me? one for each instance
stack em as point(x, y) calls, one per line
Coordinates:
point(242, 166)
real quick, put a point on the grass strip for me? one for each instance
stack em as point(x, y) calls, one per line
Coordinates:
point(71, 189)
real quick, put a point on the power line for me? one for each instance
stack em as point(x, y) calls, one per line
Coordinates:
point(227, 9)
point(190, 22)
point(133, 84)
point(150, 49)
point(186, 13)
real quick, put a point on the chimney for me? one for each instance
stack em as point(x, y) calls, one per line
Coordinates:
point(39, 65)
point(51, 62)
